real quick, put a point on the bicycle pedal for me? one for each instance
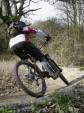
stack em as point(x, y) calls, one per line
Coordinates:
point(55, 75)
point(45, 74)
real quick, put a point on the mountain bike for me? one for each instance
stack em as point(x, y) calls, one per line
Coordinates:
point(32, 79)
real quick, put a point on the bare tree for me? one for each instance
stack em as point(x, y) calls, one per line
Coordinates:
point(11, 10)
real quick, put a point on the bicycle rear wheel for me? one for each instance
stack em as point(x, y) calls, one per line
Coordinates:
point(27, 76)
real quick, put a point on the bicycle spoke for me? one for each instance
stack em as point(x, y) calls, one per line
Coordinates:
point(27, 79)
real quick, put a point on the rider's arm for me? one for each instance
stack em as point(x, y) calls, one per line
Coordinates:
point(29, 30)
point(43, 35)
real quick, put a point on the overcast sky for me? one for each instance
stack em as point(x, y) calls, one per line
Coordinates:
point(46, 12)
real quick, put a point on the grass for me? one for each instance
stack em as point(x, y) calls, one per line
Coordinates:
point(6, 110)
point(7, 57)
point(59, 103)
point(63, 101)
point(81, 68)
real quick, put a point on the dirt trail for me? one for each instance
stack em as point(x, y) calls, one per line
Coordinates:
point(52, 85)
point(70, 74)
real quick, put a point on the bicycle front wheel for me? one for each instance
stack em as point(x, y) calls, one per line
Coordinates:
point(27, 76)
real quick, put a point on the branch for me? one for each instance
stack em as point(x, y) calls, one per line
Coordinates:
point(31, 10)
point(35, 1)
point(21, 4)
point(27, 15)
point(15, 6)
point(30, 2)
point(20, 10)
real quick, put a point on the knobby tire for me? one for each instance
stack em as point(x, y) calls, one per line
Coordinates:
point(39, 94)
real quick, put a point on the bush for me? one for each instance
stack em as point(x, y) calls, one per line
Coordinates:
point(65, 47)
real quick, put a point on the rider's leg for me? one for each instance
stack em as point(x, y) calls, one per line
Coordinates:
point(48, 68)
point(39, 56)
point(35, 53)
point(18, 50)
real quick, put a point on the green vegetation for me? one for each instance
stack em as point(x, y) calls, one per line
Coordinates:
point(59, 103)
point(81, 68)
point(6, 110)
point(55, 103)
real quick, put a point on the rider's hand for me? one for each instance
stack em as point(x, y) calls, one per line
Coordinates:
point(48, 38)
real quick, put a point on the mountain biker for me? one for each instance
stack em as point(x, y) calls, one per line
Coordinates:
point(20, 42)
